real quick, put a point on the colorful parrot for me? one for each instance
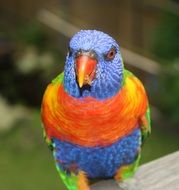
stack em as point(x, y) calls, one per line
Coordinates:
point(96, 113)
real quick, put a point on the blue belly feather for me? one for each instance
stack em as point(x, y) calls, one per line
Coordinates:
point(97, 162)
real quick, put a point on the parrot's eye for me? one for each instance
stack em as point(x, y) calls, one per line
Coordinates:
point(111, 54)
point(69, 51)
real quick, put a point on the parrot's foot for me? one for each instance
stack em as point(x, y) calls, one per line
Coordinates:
point(129, 184)
point(83, 181)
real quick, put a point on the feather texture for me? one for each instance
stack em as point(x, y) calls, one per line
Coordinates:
point(97, 162)
point(89, 122)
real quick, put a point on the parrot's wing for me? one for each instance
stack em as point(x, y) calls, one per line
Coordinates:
point(74, 180)
point(144, 120)
point(145, 125)
point(57, 80)
point(70, 179)
point(47, 140)
point(140, 110)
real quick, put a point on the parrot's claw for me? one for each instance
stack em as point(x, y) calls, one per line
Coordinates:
point(129, 184)
point(83, 181)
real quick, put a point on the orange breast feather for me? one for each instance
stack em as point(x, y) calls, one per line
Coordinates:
point(90, 122)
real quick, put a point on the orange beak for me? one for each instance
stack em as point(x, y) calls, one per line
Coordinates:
point(85, 69)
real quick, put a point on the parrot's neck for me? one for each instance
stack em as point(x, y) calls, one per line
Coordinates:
point(102, 88)
point(90, 122)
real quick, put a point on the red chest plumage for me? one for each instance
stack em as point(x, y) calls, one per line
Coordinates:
point(90, 122)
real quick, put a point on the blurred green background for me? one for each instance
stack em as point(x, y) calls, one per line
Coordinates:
point(33, 44)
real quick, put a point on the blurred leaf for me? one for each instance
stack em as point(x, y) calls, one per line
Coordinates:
point(166, 40)
point(166, 47)
point(32, 34)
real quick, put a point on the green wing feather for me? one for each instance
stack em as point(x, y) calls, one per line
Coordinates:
point(128, 171)
point(58, 79)
point(145, 126)
point(70, 180)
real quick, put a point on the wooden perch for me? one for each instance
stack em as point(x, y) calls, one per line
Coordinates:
point(160, 174)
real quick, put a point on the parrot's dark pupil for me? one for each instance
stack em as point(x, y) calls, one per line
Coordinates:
point(111, 54)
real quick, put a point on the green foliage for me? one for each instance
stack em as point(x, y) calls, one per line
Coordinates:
point(166, 42)
point(26, 162)
point(166, 48)
point(168, 98)
point(32, 34)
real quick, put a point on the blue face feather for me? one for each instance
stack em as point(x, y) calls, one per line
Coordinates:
point(109, 72)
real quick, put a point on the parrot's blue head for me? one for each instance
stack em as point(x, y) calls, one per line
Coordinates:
point(93, 65)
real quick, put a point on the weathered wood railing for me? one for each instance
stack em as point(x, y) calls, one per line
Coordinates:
point(160, 174)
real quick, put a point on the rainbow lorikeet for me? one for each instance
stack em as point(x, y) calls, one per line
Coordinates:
point(96, 113)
